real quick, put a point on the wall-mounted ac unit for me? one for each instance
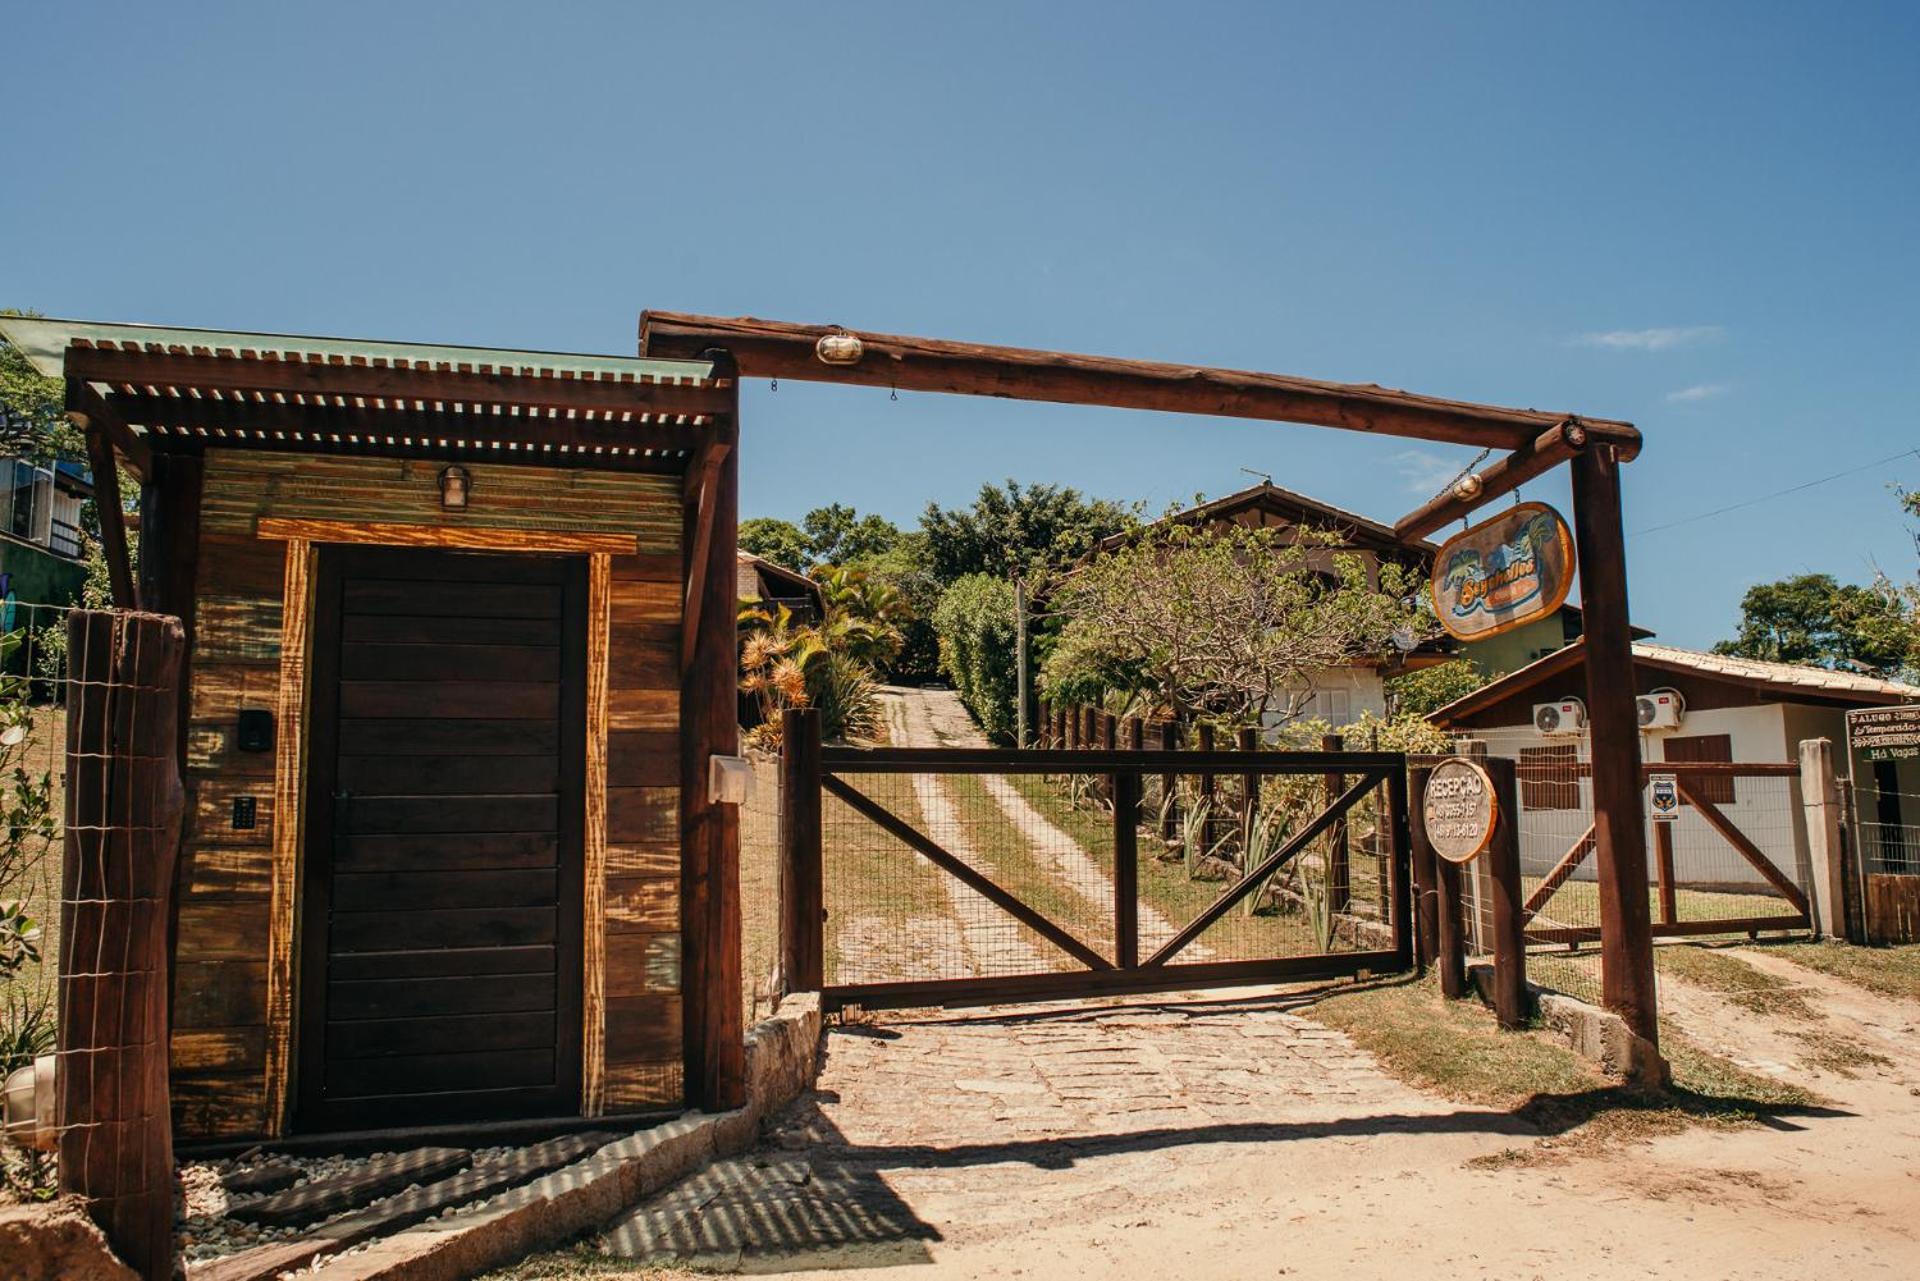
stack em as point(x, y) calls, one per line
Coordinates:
point(1661, 709)
point(1564, 719)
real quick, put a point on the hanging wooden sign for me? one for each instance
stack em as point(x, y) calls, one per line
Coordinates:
point(1503, 573)
point(1460, 809)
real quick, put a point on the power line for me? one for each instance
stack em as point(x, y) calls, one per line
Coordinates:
point(1765, 498)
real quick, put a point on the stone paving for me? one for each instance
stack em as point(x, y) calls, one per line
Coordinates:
point(960, 1125)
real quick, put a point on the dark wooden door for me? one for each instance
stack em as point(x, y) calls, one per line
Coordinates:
point(441, 917)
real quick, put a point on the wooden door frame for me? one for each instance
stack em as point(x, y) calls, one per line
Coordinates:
point(292, 797)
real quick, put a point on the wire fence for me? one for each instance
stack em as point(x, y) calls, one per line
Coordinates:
point(760, 890)
point(1049, 840)
point(33, 737)
point(1738, 843)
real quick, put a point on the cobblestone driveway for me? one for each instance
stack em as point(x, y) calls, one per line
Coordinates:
point(958, 1127)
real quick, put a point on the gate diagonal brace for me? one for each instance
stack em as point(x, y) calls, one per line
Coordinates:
point(898, 828)
point(1273, 863)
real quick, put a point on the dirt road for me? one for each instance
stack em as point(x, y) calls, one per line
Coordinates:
point(1228, 1135)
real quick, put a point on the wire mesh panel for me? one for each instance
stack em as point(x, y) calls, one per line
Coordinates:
point(1734, 859)
point(1131, 870)
point(33, 730)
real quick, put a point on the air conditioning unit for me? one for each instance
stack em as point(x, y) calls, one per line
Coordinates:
point(1661, 709)
point(1564, 719)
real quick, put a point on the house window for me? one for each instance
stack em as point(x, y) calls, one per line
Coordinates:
point(1550, 777)
point(1334, 706)
point(1716, 789)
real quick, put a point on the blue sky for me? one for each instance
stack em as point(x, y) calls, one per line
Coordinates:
point(1702, 221)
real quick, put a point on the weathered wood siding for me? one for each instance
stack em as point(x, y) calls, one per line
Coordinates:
point(222, 1022)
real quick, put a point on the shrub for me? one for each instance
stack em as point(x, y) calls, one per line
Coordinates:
point(975, 624)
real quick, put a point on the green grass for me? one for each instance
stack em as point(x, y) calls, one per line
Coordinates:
point(1024, 870)
point(1456, 1049)
point(1886, 971)
point(1578, 903)
point(1166, 887)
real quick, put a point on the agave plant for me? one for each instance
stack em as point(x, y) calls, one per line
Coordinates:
point(783, 666)
point(1267, 833)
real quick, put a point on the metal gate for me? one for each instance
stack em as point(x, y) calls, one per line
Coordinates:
point(916, 877)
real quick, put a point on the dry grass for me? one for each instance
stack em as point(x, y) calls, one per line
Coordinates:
point(1732, 978)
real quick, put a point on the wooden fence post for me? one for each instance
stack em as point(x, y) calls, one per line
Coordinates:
point(1339, 865)
point(1820, 796)
point(1126, 862)
point(1209, 794)
point(1503, 867)
point(1426, 888)
point(1170, 783)
point(802, 906)
point(1248, 740)
point(123, 813)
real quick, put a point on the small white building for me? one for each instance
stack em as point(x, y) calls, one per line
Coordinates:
point(1717, 708)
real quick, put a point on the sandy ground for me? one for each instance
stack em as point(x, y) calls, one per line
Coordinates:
point(1233, 1137)
point(1236, 1138)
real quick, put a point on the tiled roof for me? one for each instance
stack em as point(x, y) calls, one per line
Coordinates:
point(1787, 675)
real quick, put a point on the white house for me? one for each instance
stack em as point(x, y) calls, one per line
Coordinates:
point(1718, 708)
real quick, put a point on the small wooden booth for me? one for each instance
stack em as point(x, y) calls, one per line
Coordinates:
point(460, 647)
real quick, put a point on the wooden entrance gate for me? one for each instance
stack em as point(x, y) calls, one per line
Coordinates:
point(916, 877)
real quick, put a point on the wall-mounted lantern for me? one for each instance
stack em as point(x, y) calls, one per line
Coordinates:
point(455, 484)
point(839, 347)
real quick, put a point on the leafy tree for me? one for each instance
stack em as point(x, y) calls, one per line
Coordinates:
point(780, 541)
point(903, 567)
point(837, 534)
point(830, 535)
point(33, 420)
point(1230, 623)
point(1013, 529)
point(1426, 690)
point(1811, 618)
point(975, 624)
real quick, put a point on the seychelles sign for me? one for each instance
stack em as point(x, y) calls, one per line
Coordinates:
point(1503, 573)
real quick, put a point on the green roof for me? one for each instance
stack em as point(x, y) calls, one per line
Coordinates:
point(44, 341)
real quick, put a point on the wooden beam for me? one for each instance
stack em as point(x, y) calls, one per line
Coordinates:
point(1569, 863)
point(700, 487)
point(230, 422)
point(774, 349)
point(593, 951)
point(714, 1048)
point(1626, 941)
point(113, 519)
point(458, 386)
point(461, 538)
point(90, 404)
point(289, 829)
point(1552, 447)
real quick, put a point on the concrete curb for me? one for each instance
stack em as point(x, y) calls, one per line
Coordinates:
point(782, 1061)
point(1599, 1036)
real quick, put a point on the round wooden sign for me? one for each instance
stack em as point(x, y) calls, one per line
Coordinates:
point(1460, 809)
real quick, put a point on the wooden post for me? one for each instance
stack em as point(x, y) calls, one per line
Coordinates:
point(1208, 793)
point(1503, 866)
point(802, 909)
point(1090, 728)
point(1248, 740)
point(1109, 730)
point(1170, 782)
point(1396, 882)
point(1663, 871)
point(124, 806)
point(1426, 883)
point(715, 1048)
point(113, 523)
point(1820, 798)
point(1620, 848)
point(1339, 865)
point(1126, 868)
point(1450, 944)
